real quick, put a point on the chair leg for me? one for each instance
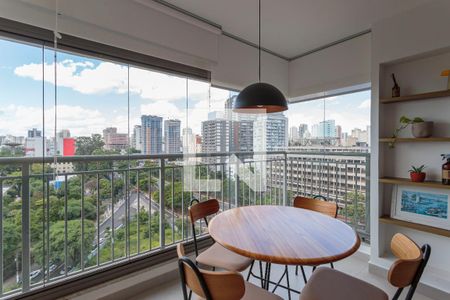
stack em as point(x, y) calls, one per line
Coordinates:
point(267, 275)
point(261, 273)
point(250, 271)
point(287, 281)
point(397, 294)
point(281, 278)
point(332, 266)
point(190, 294)
point(296, 270)
point(304, 275)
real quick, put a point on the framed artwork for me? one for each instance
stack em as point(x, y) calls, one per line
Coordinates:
point(426, 206)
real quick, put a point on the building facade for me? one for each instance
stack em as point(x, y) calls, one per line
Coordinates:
point(34, 133)
point(324, 129)
point(270, 132)
point(114, 140)
point(172, 136)
point(303, 131)
point(294, 134)
point(215, 136)
point(136, 138)
point(151, 134)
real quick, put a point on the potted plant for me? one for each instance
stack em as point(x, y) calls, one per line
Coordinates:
point(417, 174)
point(419, 128)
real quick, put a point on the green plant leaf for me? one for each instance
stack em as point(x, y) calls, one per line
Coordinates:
point(405, 120)
point(417, 169)
point(417, 120)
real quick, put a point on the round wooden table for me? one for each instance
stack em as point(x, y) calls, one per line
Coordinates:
point(283, 235)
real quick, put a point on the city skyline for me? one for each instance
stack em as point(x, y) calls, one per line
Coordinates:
point(86, 85)
point(92, 94)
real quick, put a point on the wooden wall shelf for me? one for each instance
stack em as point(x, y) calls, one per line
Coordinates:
point(424, 96)
point(407, 181)
point(415, 140)
point(426, 228)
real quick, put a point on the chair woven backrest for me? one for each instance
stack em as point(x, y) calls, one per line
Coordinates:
point(210, 285)
point(204, 209)
point(409, 258)
point(328, 208)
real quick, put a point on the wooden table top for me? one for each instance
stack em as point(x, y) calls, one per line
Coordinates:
point(284, 235)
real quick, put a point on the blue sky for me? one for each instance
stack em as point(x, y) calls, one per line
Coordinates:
point(93, 94)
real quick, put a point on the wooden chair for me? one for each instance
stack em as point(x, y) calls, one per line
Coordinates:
point(326, 283)
point(323, 206)
point(224, 285)
point(215, 256)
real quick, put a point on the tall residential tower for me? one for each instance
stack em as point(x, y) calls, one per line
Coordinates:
point(151, 134)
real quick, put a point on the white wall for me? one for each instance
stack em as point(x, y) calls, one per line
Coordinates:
point(397, 45)
point(147, 27)
point(343, 65)
point(237, 66)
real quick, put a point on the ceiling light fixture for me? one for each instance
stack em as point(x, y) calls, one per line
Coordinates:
point(260, 97)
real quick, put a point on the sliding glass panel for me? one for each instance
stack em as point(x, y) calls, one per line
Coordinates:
point(157, 114)
point(101, 142)
point(339, 128)
point(91, 119)
point(21, 134)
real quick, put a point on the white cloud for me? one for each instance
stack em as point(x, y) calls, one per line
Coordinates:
point(82, 77)
point(157, 90)
point(106, 77)
point(80, 121)
point(365, 104)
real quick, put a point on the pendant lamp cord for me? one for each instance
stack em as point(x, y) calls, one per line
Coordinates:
point(259, 42)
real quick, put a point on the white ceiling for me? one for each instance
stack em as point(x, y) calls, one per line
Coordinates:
point(293, 27)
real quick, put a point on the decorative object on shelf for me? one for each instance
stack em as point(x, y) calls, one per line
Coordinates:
point(422, 129)
point(419, 128)
point(446, 169)
point(260, 97)
point(417, 174)
point(417, 97)
point(447, 74)
point(395, 88)
point(405, 122)
point(423, 206)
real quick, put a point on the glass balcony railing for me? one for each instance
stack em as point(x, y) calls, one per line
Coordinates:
point(68, 216)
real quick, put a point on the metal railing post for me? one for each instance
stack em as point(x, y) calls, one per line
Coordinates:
point(236, 183)
point(285, 187)
point(367, 188)
point(25, 226)
point(162, 210)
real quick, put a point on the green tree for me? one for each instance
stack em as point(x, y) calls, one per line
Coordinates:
point(360, 210)
point(178, 195)
point(57, 240)
point(87, 145)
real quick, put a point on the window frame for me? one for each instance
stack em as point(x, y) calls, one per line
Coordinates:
point(43, 37)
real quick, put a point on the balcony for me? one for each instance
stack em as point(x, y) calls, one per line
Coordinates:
point(106, 210)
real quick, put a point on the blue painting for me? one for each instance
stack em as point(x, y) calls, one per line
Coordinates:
point(426, 204)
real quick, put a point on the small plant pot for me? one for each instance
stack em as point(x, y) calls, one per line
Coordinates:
point(422, 129)
point(417, 177)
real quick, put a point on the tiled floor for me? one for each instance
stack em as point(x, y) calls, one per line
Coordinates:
point(355, 266)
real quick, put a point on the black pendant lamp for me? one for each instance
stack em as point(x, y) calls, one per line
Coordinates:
point(260, 97)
